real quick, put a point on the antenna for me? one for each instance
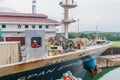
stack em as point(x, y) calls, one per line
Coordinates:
point(33, 6)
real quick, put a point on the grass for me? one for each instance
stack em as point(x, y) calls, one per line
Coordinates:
point(116, 43)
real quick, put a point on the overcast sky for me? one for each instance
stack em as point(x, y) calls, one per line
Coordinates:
point(103, 13)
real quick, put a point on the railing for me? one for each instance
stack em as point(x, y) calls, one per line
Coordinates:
point(70, 2)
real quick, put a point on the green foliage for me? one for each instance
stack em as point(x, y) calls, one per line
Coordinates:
point(112, 36)
point(72, 35)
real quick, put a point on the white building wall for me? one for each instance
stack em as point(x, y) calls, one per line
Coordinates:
point(11, 34)
point(12, 29)
point(50, 34)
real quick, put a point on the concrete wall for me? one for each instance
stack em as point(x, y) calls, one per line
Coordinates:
point(9, 52)
point(112, 51)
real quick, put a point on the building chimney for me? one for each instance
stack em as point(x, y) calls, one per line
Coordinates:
point(33, 6)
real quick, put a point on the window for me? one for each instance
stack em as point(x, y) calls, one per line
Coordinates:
point(34, 1)
point(47, 26)
point(3, 26)
point(55, 25)
point(26, 26)
point(40, 26)
point(33, 26)
point(19, 26)
point(36, 42)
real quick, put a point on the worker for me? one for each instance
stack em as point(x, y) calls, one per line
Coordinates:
point(35, 44)
point(78, 44)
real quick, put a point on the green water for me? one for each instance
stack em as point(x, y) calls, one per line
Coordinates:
point(101, 74)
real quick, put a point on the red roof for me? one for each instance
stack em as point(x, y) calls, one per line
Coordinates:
point(24, 17)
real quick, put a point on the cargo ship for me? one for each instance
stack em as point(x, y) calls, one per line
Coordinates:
point(49, 59)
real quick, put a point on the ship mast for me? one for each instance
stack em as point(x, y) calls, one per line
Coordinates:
point(67, 4)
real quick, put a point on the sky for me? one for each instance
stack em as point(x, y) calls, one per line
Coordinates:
point(102, 13)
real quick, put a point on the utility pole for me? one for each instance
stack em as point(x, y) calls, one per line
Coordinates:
point(77, 28)
point(96, 32)
point(78, 24)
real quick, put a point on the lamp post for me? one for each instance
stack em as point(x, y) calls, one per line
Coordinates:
point(78, 24)
point(77, 28)
point(96, 32)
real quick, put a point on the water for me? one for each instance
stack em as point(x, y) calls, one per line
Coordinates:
point(112, 75)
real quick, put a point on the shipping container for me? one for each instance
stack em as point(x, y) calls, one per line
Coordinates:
point(10, 52)
point(21, 39)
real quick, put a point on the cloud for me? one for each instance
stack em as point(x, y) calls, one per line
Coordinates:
point(4, 9)
point(104, 13)
point(1, 0)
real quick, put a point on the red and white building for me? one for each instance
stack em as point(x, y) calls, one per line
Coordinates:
point(13, 25)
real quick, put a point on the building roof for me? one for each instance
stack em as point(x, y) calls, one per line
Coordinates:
point(24, 17)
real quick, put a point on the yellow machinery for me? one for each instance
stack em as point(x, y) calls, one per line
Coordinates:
point(55, 50)
point(82, 41)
